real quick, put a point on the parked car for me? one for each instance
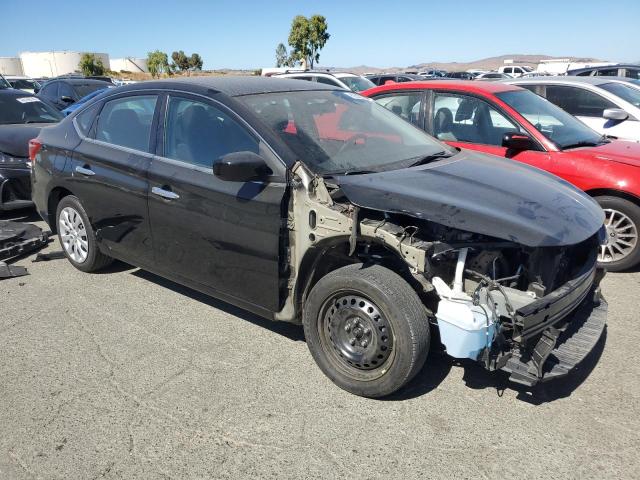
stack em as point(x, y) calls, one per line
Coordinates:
point(4, 83)
point(63, 92)
point(620, 70)
point(381, 79)
point(461, 75)
point(512, 122)
point(493, 76)
point(26, 84)
point(433, 73)
point(21, 117)
point(348, 81)
point(306, 203)
point(74, 106)
point(515, 71)
point(611, 108)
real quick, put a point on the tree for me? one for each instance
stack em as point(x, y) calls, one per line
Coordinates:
point(91, 65)
point(307, 37)
point(195, 62)
point(180, 61)
point(157, 63)
point(282, 57)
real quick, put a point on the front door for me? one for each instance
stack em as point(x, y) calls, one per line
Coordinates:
point(109, 174)
point(211, 233)
point(466, 121)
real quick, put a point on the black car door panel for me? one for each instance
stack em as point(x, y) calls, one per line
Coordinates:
point(219, 234)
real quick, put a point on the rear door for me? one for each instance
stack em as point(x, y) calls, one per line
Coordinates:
point(210, 233)
point(109, 174)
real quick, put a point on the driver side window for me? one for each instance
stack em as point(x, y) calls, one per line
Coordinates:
point(199, 133)
point(463, 118)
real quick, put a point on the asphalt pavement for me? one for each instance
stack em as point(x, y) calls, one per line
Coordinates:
point(124, 375)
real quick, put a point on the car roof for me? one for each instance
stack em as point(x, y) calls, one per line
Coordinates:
point(460, 85)
point(605, 67)
point(232, 86)
point(569, 79)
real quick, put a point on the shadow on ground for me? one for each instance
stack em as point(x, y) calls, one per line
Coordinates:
point(292, 332)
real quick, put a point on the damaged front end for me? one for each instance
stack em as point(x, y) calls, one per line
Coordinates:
point(533, 310)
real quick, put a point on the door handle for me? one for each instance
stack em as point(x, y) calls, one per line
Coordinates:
point(85, 171)
point(164, 193)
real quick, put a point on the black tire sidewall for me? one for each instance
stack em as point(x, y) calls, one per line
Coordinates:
point(408, 355)
point(90, 264)
point(632, 211)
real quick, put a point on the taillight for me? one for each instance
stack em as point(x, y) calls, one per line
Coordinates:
point(34, 147)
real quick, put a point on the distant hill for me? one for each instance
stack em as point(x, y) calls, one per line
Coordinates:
point(491, 63)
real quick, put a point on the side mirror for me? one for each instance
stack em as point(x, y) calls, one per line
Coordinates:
point(615, 114)
point(241, 167)
point(518, 141)
point(66, 99)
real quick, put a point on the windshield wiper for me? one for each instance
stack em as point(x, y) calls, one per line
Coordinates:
point(430, 158)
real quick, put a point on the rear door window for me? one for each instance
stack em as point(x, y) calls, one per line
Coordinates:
point(327, 81)
point(200, 133)
point(127, 122)
point(578, 101)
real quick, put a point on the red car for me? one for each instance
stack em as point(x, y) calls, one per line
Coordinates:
point(512, 122)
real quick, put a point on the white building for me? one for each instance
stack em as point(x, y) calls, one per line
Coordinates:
point(52, 64)
point(10, 66)
point(129, 64)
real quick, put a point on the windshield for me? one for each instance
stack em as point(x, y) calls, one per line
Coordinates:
point(357, 84)
point(335, 131)
point(625, 92)
point(4, 83)
point(26, 109)
point(23, 84)
point(84, 89)
point(554, 123)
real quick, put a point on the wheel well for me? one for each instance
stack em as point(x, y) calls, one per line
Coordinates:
point(55, 196)
point(614, 193)
point(324, 260)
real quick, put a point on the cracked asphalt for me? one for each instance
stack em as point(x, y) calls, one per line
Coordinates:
point(124, 375)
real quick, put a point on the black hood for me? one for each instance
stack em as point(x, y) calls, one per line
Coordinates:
point(483, 194)
point(14, 138)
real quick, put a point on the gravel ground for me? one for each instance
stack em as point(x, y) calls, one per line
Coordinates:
point(126, 375)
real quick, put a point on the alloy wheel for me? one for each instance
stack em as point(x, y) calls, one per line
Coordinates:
point(622, 237)
point(73, 235)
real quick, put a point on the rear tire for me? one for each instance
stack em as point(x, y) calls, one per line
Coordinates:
point(366, 329)
point(622, 219)
point(77, 238)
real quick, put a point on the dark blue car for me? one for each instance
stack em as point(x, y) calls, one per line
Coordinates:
point(73, 107)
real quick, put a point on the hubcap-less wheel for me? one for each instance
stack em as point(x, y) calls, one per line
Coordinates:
point(622, 237)
point(73, 235)
point(357, 334)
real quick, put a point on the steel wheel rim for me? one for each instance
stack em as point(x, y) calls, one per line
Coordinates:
point(622, 237)
point(73, 235)
point(356, 335)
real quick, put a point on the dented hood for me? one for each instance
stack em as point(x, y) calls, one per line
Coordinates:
point(483, 194)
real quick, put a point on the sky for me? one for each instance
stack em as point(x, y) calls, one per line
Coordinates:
point(244, 34)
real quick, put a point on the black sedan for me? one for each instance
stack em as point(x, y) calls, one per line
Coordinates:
point(21, 117)
point(307, 203)
point(63, 92)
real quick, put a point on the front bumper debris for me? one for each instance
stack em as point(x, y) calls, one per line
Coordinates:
point(562, 347)
point(20, 238)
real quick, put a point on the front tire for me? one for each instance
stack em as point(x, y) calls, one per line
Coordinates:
point(77, 238)
point(622, 220)
point(366, 329)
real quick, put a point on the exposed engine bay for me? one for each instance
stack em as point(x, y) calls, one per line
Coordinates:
point(491, 299)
